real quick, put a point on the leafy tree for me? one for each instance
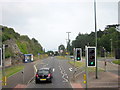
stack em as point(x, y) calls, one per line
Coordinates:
point(61, 49)
point(103, 38)
point(50, 53)
point(25, 44)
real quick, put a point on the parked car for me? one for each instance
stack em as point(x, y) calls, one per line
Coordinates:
point(44, 74)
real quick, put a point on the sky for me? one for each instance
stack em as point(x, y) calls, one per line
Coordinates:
point(48, 20)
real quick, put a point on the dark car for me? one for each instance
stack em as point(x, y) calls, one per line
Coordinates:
point(43, 74)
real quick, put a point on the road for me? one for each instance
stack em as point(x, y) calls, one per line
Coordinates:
point(62, 74)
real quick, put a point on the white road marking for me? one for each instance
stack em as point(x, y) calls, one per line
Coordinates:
point(65, 80)
point(70, 69)
point(35, 68)
point(66, 76)
point(53, 69)
point(60, 68)
point(63, 74)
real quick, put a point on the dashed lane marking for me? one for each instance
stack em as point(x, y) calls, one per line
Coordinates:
point(53, 69)
point(70, 69)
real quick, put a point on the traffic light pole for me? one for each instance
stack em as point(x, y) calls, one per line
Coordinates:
point(105, 61)
point(74, 63)
point(96, 38)
point(86, 69)
point(3, 67)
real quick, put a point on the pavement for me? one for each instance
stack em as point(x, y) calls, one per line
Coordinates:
point(21, 78)
point(108, 79)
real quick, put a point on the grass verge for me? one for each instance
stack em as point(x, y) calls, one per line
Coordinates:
point(43, 56)
point(77, 64)
point(63, 57)
point(116, 61)
point(12, 70)
point(82, 64)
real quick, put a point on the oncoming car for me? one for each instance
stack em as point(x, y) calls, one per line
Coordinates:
point(43, 74)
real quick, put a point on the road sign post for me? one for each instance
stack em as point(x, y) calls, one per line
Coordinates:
point(23, 75)
point(74, 63)
point(105, 61)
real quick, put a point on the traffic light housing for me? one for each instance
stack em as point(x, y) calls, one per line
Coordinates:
point(78, 54)
point(91, 56)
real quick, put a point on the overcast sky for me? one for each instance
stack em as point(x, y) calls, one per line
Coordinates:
point(49, 20)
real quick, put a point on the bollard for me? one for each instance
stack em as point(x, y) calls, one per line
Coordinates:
point(4, 81)
point(84, 77)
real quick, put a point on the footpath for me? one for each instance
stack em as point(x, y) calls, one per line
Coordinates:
point(20, 79)
point(106, 80)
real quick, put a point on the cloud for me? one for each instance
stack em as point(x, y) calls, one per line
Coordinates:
point(48, 21)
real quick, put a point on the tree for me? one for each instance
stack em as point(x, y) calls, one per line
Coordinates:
point(103, 38)
point(61, 49)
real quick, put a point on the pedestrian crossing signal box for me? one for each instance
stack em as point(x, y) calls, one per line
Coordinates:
point(78, 54)
point(91, 56)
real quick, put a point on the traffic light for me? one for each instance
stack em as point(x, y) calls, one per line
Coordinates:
point(91, 56)
point(117, 53)
point(78, 54)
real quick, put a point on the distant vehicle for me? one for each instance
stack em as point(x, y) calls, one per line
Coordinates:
point(44, 74)
point(28, 58)
point(72, 57)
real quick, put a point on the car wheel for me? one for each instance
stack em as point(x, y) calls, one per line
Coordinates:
point(50, 81)
point(36, 81)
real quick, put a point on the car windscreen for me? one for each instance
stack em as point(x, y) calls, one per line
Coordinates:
point(44, 71)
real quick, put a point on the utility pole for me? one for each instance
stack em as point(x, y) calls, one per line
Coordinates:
point(68, 39)
point(96, 37)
